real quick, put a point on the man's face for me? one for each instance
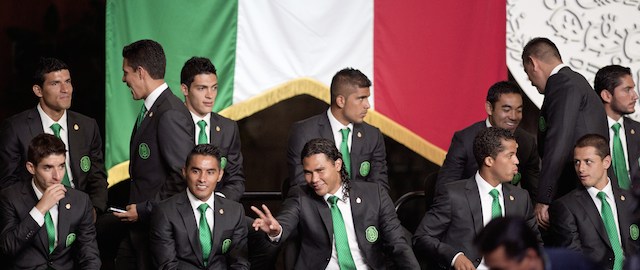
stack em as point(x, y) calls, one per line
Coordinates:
point(133, 78)
point(624, 97)
point(356, 105)
point(56, 90)
point(48, 172)
point(506, 112)
point(498, 260)
point(201, 95)
point(202, 175)
point(590, 167)
point(505, 165)
point(536, 76)
point(322, 174)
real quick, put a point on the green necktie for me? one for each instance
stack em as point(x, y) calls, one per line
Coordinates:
point(56, 131)
point(610, 226)
point(496, 210)
point(340, 234)
point(141, 115)
point(51, 231)
point(344, 149)
point(202, 136)
point(619, 164)
point(205, 233)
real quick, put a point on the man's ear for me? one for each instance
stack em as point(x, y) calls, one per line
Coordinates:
point(31, 168)
point(37, 90)
point(488, 107)
point(220, 175)
point(340, 101)
point(488, 161)
point(338, 164)
point(185, 89)
point(606, 161)
point(606, 96)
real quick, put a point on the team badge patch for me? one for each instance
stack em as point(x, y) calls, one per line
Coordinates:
point(542, 124)
point(70, 239)
point(85, 163)
point(365, 167)
point(144, 151)
point(372, 234)
point(634, 232)
point(223, 162)
point(226, 244)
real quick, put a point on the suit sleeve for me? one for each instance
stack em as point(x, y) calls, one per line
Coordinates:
point(395, 239)
point(297, 140)
point(10, 154)
point(289, 215)
point(233, 180)
point(453, 165)
point(379, 163)
point(161, 241)
point(532, 171)
point(563, 227)
point(432, 228)
point(237, 257)
point(15, 233)
point(87, 255)
point(561, 115)
point(97, 176)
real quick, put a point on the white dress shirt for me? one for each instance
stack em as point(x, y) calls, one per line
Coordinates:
point(151, 98)
point(195, 203)
point(207, 129)
point(39, 217)
point(623, 139)
point(64, 135)
point(557, 68)
point(336, 126)
point(593, 192)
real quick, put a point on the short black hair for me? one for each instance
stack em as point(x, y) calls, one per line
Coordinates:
point(609, 78)
point(597, 141)
point(345, 81)
point(540, 48)
point(488, 143)
point(196, 66)
point(512, 233)
point(204, 150)
point(44, 145)
point(148, 54)
point(501, 88)
point(47, 65)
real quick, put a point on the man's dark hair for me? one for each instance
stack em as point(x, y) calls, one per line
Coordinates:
point(196, 66)
point(540, 48)
point(44, 145)
point(512, 233)
point(47, 65)
point(148, 54)
point(345, 81)
point(328, 148)
point(204, 150)
point(609, 78)
point(501, 88)
point(488, 143)
point(597, 141)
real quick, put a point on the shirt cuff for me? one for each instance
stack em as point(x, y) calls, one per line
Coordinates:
point(277, 237)
point(455, 257)
point(37, 216)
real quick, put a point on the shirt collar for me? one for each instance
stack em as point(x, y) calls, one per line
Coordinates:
point(151, 98)
point(197, 118)
point(340, 191)
point(484, 187)
point(47, 121)
point(557, 68)
point(336, 126)
point(612, 122)
point(195, 202)
point(487, 122)
point(593, 191)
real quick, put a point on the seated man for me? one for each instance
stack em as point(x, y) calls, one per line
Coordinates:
point(509, 243)
point(462, 208)
point(43, 224)
point(342, 224)
point(595, 219)
point(195, 229)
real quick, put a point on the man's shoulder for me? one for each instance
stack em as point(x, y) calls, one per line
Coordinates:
point(313, 120)
point(22, 116)
point(523, 135)
point(368, 128)
point(221, 120)
point(79, 117)
point(628, 122)
point(571, 198)
point(472, 130)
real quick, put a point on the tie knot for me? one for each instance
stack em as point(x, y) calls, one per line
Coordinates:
point(203, 208)
point(616, 128)
point(602, 196)
point(494, 193)
point(332, 200)
point(345, 133)
point(56, 129)
point(202, 124)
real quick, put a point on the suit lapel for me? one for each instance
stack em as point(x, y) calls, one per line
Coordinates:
point(64, 217)
point(325, 213)
point(151, 112)
point(473, 199)
point(189, 220)
point(324, 128)
point(357, 143)
point(215, 137)
point(29, 199)
point(34, 122)
point(509, 205)
point(75, 138)
point(633, 141)
point(624, 222)
point(219, 223)
point(358, 211)
point(584, 199)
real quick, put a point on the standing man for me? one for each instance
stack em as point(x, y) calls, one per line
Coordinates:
point(361, 144)
point(160, 142)
point(596, 218)
point(43, 224)
point(199, 84)
point(342, 224)
point(85, 169)
point(462, 208)
point(504, 110)
point(195, 229)
point(570, 110)
point(614, 84)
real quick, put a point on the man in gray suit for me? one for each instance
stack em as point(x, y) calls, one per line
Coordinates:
point(343, 123)
point(462, 208)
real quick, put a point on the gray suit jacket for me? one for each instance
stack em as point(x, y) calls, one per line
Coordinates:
point(367, 147)
point(455, 219)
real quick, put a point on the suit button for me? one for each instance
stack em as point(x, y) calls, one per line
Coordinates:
point(478, 260)
point(50, 263)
